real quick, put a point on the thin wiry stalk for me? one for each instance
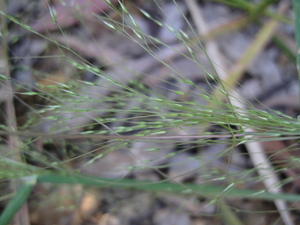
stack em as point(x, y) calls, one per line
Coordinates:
point(14, 143)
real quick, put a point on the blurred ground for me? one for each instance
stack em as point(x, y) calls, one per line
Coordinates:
point(40, 66)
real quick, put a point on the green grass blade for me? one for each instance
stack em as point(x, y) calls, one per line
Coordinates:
point(285, 48)
point(238, 4)
point(228, 215)
point(214, 191)
point(260, 8)
point(250, 7)
point(17, 201)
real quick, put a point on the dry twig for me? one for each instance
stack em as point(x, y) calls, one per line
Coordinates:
point(255, 149)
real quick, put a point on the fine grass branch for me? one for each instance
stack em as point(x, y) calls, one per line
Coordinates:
point(269, 125)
